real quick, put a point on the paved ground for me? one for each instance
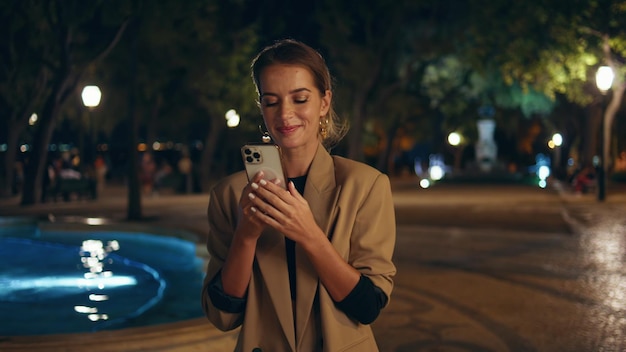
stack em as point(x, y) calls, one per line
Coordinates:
point(516, 269)
point(480, 268)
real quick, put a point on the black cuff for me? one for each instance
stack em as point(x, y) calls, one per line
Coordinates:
point(223, 301)
point(364, 302)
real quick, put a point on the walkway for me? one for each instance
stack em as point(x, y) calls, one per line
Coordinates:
point(426, 313)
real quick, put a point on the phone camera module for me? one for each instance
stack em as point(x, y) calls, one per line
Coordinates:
point(249, 159)
point(247, 151)
point(256, 155)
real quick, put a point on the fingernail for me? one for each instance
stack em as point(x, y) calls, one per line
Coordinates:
point(277, 181)
point(251, 196)
point(253, 209)
point(263, 182)
point(254, 185)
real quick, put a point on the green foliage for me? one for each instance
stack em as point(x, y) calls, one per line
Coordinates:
point(456, 89)
point(394, 62)
point(377, 51)
point(192, 66)
point(45, 42)
point(555, 46)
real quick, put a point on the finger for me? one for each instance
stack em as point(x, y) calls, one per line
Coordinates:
point(293, 191)
point(268, 207)
point(265, 218)
point(291, 187)
point(279, 202)
point(258, 176)
point(273, 193)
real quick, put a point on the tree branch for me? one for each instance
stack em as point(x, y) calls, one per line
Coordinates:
point(112, 44)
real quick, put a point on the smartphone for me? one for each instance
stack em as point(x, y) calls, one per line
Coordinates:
point(266, 158)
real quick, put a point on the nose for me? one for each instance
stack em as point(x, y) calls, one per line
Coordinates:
point(286, 110)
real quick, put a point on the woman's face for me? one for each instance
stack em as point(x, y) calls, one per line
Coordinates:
point(292, 106)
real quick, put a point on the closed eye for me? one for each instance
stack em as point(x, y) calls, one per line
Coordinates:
point(301, 100)
point(269, 101)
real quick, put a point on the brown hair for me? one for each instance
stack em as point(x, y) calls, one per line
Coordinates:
point(293, 52)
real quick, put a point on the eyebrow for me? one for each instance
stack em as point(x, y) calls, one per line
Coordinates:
point(298, 90)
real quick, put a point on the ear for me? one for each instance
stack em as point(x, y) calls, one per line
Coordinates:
point(326, 100)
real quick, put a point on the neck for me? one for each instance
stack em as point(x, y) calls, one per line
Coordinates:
point(296, 162)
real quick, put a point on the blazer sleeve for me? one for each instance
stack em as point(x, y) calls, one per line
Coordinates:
point(373, 238)
point(221, 213)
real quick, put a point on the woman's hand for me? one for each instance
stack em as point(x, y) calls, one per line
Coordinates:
point(288, 212)
point(284, 210)
point(249, 226)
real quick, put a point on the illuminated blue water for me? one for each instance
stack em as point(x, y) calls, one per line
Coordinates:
point(55, 282)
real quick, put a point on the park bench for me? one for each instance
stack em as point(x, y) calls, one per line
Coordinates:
point(83, 188)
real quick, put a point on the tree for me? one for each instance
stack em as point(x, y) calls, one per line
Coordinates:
point(184, 65)
point(556, 48)
point(23, 83)
point(220, 77)
point(380, 52)
point(62, 34)
point(360, 39)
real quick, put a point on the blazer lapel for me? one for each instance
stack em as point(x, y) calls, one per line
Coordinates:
point(321, 193)
point(272, 261)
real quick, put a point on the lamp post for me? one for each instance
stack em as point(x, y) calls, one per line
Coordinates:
point(604, 81)
point(91, 96)
point(555, 144)
point(455, 140)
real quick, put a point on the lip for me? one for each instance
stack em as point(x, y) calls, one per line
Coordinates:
point(287, 129)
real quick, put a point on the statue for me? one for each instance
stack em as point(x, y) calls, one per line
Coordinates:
point(486, 148)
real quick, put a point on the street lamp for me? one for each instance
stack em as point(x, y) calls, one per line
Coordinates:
point(91, 96)
point(604, 78)
point(456, 140)
point(232, 118)
point(555, 144)
point(557, 140)
point(604, 81)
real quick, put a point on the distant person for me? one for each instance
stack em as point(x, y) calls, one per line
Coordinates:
point(161, 175)
point(49, 180)
point(18, 177)
point(620, 163)
point(68, 172)
point(310, 267)
point(584, 180)
point(101, 169)
point(146, 173)
point(185, 168)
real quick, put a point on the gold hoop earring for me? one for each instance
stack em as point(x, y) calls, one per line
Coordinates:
point(265, 136)
point(324, 128)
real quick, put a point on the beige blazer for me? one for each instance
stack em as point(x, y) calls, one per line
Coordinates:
point(352, 203)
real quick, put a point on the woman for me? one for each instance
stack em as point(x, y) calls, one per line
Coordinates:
point(307, 268)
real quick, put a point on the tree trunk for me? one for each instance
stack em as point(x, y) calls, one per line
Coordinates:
point(355, 136)
point(134, 191)
point(15, 125)
point(609, 117)
point(210, 144)
point(590, 137)
point(10, 156)
point(134, 210)
point(384, 162)
point(36, 164)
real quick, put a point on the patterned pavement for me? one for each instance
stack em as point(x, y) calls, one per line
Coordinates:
point(480, 268)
